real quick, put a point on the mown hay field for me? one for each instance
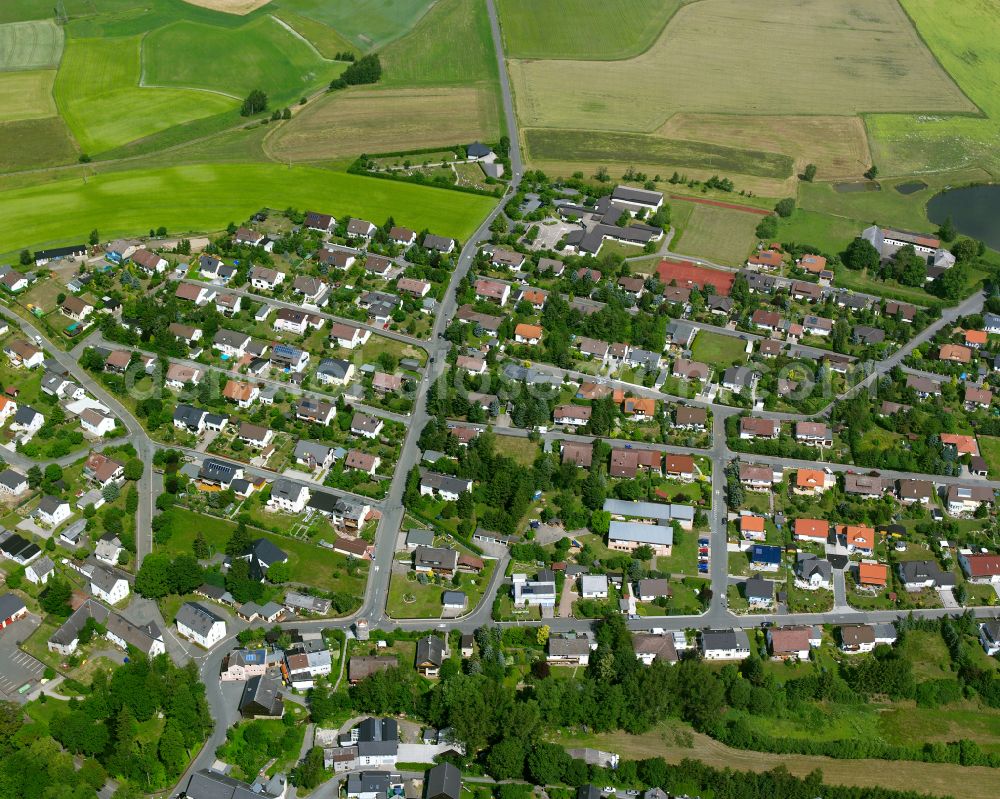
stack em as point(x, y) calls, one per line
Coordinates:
point(327, 41)
point(747, 56)
point(206, 197)
point(30, 45)
point(965, 37)
point(351, 122)
point(450, 46)
point(98, 94)
point(26, 95)
point(610, 29)
point(262, 54)
point(238, 7)
point(722, 235)
point(837, 145)
point(629, 148)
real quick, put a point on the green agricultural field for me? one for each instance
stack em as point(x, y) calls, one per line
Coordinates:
point(97, 91)
point(718, 349)
point(26, 95)
point(451, 45)
point(582, 28)
point(327, 41)
point(369, 24)
point(721, 235)
point(262, 54)
point(634, 148)
point(207, 197)
point(964, 35)
point(30, 45)
point(701, 63)
point(34, 143)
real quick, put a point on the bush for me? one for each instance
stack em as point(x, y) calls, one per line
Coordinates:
point(785, 208)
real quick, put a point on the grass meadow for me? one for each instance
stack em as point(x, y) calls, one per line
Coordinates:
point(721, 235)
point(327, 41)
point(207, 197)
point(30, 45)
point(35, 143)
point(97, 91)
point(263, 54)
point(964, 35)
point(26, 95)
point(348, 123)
point(612, 29)
point(825, 68)
point(368, 24)
point(450, 46)
point(718, 349)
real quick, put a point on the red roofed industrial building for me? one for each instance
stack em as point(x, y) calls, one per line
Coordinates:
point(687, 274)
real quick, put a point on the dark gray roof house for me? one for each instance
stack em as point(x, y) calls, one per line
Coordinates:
point(262, 698)
point(444, 781)
point(430, 652)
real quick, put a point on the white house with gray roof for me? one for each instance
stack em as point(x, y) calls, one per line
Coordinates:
point(199, 624)
point(108, 584)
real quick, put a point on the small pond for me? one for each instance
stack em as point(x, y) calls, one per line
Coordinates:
point(974, 210)
point(911, 187)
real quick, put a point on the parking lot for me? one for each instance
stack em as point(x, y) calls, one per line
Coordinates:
point(16, 667)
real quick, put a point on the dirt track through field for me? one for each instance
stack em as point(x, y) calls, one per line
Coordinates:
point(717, 204)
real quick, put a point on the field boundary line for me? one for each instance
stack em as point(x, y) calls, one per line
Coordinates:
point(305, 41)
point(719, 204)
point(142, 75)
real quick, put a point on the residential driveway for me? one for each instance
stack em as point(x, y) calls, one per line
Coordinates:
point(17, 667)
point(31, 526)
point(569, 596)
point(948, 597)
point(839, 590)
point(207, 439)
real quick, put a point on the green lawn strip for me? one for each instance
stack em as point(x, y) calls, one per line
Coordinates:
point(207, 197)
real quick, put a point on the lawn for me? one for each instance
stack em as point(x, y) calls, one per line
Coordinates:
point(963, 35)
point(207, 197)
point(723, 235)
point(581, 28)
point(369, 24)
point(26, 95)
point(263, 54)
point(310, 564)
point(97, 91)
point(523, 450)
point(802, 74)
point(30, 45)
point(451, 45)
point(358, 120)
point(718, 349)
point(989, 448)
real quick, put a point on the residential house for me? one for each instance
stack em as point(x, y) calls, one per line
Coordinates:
point(813, 573)
point(52, 511)
point(755, 477)
point(679, 467)
point(815, 433)
point(792, 643)
point(569, 650)
point(540, 592)
point(288, 496)
point(366, 426)
point(855, 638)
point(981, 567)
point(198, 294)
point(335, 372)
point(752, 527)
point(725, 644)
point(199, 624)
point(812, 481)
point(313, 455)
point(362, 461)
point(12, 608)
point(431, 652)
point(348, 336)
point(23, 355)
point(527, 334)
point(765, 557)
point(910, 491)
point(967, 499)
point(492, 291)
point(324, 223)
point(12, 482)
point(27, 420)
point(315, 411)
point(243, 394)
point(872, 576)
point(918, 575)
point(231, 343)
point(443, 486)
point(754, 427)
point(108, 585)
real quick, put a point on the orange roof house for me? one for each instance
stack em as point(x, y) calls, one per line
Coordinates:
point(813, 263)
point(860, 537)
point(955, 353)
point(966, 445)
point(752, 525)
point(768, 259)
point(975, 338)
point(525, 333)
point(639, 406)
point(872, 574)
point(679, 465)
point(238, 392)
point(811, 480)
point(813, 529)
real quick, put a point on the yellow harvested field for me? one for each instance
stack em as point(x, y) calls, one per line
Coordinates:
point(27, 95)
point(764, 57)
point(238, 7)
point(375, 121)
point(938, 779)
point(838, 146)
